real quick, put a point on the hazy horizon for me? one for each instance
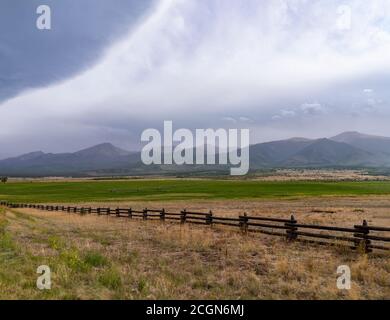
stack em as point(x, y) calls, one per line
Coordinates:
point(139, 149)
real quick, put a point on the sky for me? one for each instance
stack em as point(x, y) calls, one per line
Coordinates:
point(107, 70)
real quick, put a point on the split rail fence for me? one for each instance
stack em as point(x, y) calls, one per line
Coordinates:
point(362, 237)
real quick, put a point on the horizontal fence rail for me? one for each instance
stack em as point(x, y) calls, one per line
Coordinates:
point(362, 237)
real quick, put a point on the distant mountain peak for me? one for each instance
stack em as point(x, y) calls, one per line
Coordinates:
point(299, 139)
point(371, 143)
point(35, 153)
point(356, 133)
point(326, 152)
point(31, 155)
point(348, 136)
point(103, 149)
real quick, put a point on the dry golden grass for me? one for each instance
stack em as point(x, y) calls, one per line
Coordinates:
point(341, 211)
point(320, 175)
point(272, 175)
point(102, 257)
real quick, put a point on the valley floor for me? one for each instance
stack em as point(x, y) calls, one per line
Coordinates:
point(103, 257)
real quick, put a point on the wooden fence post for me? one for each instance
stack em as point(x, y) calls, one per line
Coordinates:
point(292, 229)
point(362, 242)
point(183, 216)
point(162, 215)
point(117, 212)
point(244, 223)
point(145, 214)
point(209, 218)
point(130, 213)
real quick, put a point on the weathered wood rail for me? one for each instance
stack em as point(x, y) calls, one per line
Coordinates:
point(362, 237)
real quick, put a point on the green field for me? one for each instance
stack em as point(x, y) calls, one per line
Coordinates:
point(86, 191)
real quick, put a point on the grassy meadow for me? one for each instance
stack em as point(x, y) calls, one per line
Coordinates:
point(100, 257)
point(93, 257)
point(161, 190)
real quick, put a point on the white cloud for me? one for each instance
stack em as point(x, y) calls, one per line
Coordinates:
point(287, 113)
point(304, 110)
point(229, 119)
point(245, 119)
point(312, 108)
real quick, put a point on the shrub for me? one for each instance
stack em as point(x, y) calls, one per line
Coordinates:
point(95, 259)
point(72, 259)
point(111, 279)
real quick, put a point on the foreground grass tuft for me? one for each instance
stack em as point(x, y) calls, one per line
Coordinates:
point(95, 259)
point(111, 279)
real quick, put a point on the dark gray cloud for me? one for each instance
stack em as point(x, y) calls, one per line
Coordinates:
point(81, 30)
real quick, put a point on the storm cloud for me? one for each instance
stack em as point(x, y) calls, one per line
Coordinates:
point(280, 67)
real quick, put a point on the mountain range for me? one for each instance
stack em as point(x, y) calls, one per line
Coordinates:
point(346, 150)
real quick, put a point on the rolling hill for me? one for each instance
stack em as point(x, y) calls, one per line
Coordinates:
point(371, 143)
point(83, 162)
point(325, 153)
